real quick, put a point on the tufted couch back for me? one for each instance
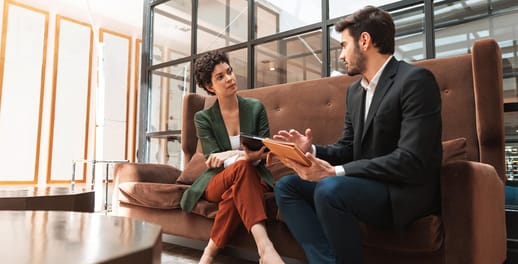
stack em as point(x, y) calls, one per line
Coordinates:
point(469, 92)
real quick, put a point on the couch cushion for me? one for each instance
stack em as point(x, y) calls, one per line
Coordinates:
point(194, 168)
point(454, 149)
point(424, 235)
point(152, 195)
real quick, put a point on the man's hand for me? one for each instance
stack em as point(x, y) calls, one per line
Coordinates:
point(319, 168)
point(304, 142)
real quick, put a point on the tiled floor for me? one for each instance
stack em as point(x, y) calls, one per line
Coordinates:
point(174, 254)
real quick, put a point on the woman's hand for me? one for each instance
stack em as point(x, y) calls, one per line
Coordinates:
point(216, 160)
point(253, 155)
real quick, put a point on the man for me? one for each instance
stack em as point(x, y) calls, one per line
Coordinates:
point(384, 170)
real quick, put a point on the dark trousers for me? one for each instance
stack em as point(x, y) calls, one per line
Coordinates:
point(324, 217)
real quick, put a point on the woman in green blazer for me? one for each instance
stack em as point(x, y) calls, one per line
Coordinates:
point(236, 177)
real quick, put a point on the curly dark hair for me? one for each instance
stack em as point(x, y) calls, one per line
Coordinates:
point(204, 66)
point(377, 22)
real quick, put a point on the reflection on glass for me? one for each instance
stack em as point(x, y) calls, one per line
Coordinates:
point(409, 33)
point(239, 61)
point(459, 35)
point(296, 58)
point(273, 16)
point(338, 8)
point(336, 66)
point(164, 151)
point(221, 23)
point(511, 158)
point(171, 30)
point(168, 86)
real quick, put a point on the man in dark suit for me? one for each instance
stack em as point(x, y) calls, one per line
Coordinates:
point(384, 170)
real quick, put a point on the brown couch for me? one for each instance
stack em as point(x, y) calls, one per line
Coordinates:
point(471, 226)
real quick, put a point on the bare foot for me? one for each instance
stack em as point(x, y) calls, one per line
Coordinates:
point(209, 253)
point(206, 258)
point(270, 256)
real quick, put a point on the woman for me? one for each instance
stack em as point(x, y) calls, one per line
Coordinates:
point(237, 177)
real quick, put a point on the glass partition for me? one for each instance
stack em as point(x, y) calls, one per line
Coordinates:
point(457, 39)
point(276, 16)
point(410, 37)
point(221, 23)
point(339, 8)
point(171, 31)
point(290, 59)
point(169, 85)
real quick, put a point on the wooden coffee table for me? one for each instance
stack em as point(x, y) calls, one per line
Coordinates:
point(46, 198)
point(74, 237)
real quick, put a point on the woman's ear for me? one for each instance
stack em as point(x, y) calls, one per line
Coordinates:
point(210, 88)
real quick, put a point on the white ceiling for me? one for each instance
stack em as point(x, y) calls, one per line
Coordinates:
point(124, 16)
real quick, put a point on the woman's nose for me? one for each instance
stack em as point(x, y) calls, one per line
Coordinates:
point(228, 77)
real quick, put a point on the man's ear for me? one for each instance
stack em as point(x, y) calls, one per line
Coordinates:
point(365, 40)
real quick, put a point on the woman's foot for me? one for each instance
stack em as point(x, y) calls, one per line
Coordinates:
point(269, 256)
point(206, 258)
point(209, 253)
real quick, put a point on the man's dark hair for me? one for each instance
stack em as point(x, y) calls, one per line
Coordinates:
point(204, 66)
point(377, 22)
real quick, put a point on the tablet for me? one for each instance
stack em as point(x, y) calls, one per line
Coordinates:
point(253, 143)
point(286, 150)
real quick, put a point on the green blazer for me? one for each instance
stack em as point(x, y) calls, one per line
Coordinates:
point(212, 133)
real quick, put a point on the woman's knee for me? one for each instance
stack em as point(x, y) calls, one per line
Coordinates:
point(243, 169)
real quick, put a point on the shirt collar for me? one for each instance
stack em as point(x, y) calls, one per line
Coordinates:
point(372, 85)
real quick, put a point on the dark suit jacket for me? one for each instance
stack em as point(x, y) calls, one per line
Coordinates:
point(214, 138)
point(400, 141)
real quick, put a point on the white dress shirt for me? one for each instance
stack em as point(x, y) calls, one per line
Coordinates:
point(370, 87)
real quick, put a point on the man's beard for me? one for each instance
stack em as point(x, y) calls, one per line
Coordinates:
point(359, 63)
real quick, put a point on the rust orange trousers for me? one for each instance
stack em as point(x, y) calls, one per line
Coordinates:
point(239, 192)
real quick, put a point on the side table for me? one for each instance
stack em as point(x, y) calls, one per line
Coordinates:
point(93, 163)
point(48, 237)
point(46, 198)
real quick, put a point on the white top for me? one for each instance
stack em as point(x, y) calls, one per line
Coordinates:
point(235, 144)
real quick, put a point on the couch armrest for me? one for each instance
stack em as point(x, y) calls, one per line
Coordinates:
point(145, 172)
point(473, 213)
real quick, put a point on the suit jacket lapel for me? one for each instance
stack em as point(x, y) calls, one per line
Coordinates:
point(220, 131)
point(358, 119)
point(384, 83)
point(244, 120)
